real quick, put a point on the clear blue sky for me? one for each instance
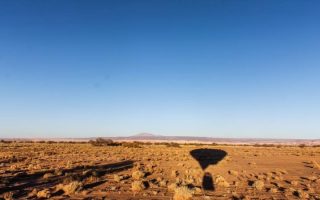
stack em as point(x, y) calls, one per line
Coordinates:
point(197, 68)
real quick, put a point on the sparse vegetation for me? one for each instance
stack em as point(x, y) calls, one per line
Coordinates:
point(220, 181)
point(74, 170)
point(302, 145)
point(73, 187)
point(138, 175)
point(131, 144)
point(259, 185)
point(103, 142)
point(138, 186)
point(45, 193)
point(183, 193)
point(173, 144)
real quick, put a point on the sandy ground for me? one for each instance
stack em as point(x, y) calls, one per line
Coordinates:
point(83, 171)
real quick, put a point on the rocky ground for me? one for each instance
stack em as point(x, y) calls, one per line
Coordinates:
point(84, 171)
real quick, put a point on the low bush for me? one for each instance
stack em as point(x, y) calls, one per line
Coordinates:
point(103, 142)
point(173, 144)
point(131, 144)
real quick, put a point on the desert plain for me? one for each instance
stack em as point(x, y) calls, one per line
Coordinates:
point(71, 170)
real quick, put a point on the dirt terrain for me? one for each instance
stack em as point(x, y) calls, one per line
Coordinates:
point(84, 171)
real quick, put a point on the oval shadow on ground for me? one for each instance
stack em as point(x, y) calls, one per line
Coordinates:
point(207, 157)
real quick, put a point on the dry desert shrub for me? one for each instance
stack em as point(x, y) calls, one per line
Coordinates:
point(71, 188)
point(33, 193)
point(173, 144)
point(68, 178)
point(92, 179)
point(137, 165)
point(189, 180)
point(117, 178)
point(273, 190)
point(44, 194)
point(302, 145)
point(312, 178)
point(131, 144)
point(294, 183)
point(8, 196)
point(183, 193)
point(137, 186)
point(195, 173)
point(103, 142)
point(163, 183)
point(259, 185)
point(137, 175)
point(220, 181)
point(150, 167)
point(264, 145)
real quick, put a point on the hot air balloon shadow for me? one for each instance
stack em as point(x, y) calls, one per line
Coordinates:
point(207, 157)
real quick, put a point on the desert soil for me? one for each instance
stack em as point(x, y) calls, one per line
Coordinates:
point(83, 171)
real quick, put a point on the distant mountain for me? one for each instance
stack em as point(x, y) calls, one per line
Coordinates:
point(143, 135)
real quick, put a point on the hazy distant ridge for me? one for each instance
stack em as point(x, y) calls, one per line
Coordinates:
point(153, 137)
point(185, 139)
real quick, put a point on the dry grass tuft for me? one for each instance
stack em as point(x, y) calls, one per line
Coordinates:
point(220, 181)
point(44, 194)
point(138, 175)
point(103, 142)
point(137, 186)
point(163, 183)
point(72, 187)
point(183, 193)
point(259, 185)
point(131, 144)
point(8, 196)
point(117, 178)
